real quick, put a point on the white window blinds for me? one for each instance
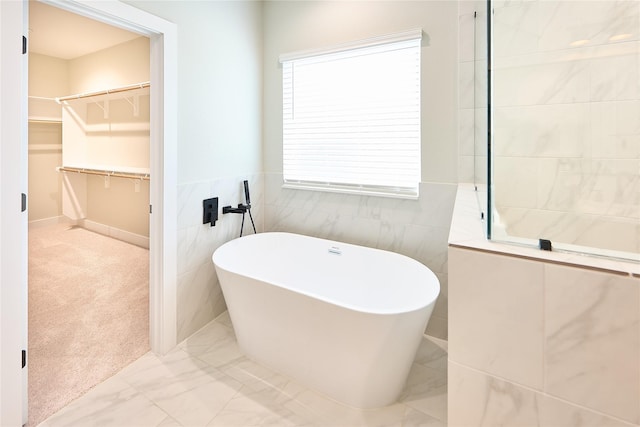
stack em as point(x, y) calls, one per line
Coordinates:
point(351, 117)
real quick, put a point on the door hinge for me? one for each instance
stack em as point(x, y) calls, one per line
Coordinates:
point(24, 45)
point(24, 202)
point(150, 209)
point(24, 358)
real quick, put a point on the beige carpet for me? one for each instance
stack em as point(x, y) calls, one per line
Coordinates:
point(88, 313)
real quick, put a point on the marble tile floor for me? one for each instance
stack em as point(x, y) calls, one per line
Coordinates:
point(206, 381)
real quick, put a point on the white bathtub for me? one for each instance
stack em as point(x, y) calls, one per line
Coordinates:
point(342, 319)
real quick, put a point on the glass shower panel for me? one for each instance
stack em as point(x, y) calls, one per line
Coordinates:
point(480, 96)
point(473, 97)
point(565, 123)
point(480, 134)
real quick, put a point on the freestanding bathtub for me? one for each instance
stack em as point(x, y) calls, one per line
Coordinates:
point(342, 319)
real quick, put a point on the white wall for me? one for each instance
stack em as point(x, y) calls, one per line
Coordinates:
point(120, 65)
point(219, 137)
point(418, 229)
point(220, 86)
point(49, 78)
point(292, 26)
point(45, 184)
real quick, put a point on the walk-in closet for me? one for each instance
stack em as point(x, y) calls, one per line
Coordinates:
point(88, 203)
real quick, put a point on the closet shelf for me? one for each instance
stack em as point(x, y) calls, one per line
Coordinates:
point(104, 92)
point(44, 110)
point(103, 172)
point(45, 147)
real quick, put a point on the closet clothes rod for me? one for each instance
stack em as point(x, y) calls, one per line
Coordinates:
point(104, 92)
point(116, 174)
point(41, 98)
point(51, 121)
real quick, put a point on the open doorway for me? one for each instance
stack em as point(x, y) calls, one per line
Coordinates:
point(88, 162)
point(13, 165)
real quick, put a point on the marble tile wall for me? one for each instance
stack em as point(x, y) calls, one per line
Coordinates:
point(537, 343)
point(567, 121)
point(416, 228)
point(198, 291)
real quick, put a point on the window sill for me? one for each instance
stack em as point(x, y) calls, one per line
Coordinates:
point(360, 191)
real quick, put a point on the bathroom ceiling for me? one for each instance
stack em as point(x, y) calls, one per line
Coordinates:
point(61, 34)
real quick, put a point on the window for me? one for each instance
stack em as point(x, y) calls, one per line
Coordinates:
point(351, 117)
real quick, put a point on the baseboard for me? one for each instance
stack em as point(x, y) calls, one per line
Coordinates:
point(96, 227)
point(443, 344)
point(116, 233)
point(46, 222)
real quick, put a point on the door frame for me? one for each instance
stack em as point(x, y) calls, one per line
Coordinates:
point(13, 219)
point(13, 181)
point(163, 155)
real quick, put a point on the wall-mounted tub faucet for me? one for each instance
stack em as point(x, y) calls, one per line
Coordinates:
point(242, 208)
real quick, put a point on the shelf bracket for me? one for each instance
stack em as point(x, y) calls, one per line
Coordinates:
point(104, 107)
point(135, 104)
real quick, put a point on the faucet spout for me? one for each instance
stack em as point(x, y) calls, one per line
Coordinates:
point(241, 209)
